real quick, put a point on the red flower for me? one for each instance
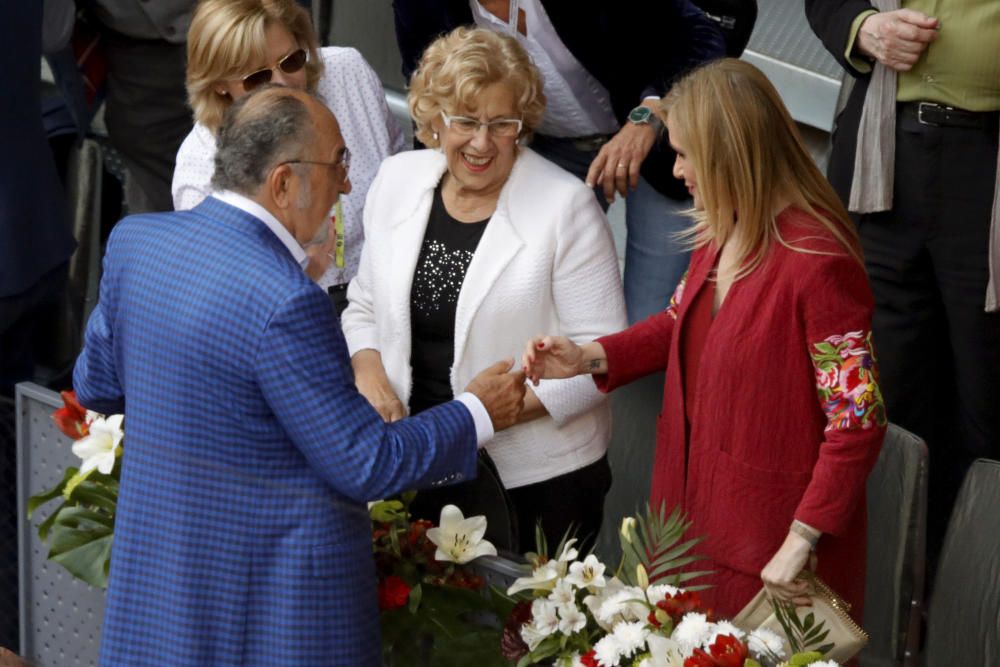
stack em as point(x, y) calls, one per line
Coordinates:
point(392, 593)
point(590, 659)
point(699, 659)
point(678, 604)
point(512, 646)
point(71, 417)
point(728, 651)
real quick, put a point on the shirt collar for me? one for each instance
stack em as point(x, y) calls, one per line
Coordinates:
point(248, 205)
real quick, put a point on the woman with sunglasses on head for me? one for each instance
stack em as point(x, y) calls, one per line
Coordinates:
point(235, 46)
point(471, 246)
point(772, 414)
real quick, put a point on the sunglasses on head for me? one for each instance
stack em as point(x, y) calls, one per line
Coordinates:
point(290, 64)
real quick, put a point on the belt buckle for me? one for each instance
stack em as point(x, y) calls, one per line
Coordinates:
point(931, 106)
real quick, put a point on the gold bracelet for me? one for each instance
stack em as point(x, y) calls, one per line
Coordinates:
point(810, 535)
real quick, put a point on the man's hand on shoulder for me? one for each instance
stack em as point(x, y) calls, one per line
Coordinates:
point(897, 39)
point(501, 393)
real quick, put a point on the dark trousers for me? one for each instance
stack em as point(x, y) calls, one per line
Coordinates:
point(574, 501)
point(147, 116)
point(939, 352)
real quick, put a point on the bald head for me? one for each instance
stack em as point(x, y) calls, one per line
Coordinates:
point(259, 131)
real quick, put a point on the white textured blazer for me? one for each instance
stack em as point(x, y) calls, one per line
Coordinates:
point(546, 264)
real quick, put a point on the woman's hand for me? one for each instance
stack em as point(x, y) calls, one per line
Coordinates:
point(779, 575)
point(321, 254)
point(551, 357)
point(373, 384)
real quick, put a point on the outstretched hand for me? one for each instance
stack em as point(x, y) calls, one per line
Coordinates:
point(501, 393)
point(548, 357)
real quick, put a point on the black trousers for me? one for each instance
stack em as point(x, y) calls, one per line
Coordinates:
point(939, 352)
point(147, 116)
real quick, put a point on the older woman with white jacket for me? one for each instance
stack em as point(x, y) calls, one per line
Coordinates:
point(473, 246)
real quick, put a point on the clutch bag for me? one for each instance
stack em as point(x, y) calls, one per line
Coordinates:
point(847, 637)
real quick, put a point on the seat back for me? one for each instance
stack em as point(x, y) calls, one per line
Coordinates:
point(897, 509)
point(963, 621)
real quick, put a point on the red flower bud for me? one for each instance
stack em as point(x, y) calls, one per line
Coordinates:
point(392, 593)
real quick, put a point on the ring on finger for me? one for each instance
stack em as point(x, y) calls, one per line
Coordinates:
point(622, 165)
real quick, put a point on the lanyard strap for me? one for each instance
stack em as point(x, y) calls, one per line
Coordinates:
point(338, 227)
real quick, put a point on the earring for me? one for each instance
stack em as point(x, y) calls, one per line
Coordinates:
point(434, 136)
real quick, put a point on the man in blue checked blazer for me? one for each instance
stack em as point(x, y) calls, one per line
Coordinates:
point(242, 535)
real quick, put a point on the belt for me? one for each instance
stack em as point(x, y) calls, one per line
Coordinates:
point(938, 115)
point(589, 143)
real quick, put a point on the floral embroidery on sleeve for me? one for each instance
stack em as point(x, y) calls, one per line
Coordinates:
point(675, 299)
point(847, 381)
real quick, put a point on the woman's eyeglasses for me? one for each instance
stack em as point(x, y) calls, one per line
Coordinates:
point(290, 64)
point(465, 126)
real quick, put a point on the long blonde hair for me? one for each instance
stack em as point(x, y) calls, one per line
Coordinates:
point(748, 158)
point(227, 35)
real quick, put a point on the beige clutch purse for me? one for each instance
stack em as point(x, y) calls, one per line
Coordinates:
point(827, 608)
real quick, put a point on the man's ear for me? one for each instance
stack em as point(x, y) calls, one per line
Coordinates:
point(280, 183)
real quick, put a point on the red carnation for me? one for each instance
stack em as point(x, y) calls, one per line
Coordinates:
point(392, 593)
point(512, 646)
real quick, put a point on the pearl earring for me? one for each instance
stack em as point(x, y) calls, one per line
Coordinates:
point(434, 135)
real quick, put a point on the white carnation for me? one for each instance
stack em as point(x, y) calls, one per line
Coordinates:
point(659, 592)
point(631, 637)
point(764, 642)
point(724, 628)
point(692, 631)
point(607, 651)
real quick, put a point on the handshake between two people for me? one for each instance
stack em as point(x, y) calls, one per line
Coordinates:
point(501, 390)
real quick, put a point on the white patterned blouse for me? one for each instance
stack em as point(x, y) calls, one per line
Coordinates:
point(354, 94)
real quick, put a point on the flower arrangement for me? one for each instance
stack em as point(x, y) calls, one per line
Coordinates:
point(80, 530)
point(573, 614)
point(434, 607)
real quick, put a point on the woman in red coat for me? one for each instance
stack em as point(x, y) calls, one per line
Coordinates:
point(772, 416)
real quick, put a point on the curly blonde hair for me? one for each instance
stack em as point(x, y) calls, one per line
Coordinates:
point(457, 67)
point(227, 36)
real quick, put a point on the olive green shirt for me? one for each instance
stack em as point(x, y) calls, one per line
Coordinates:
point(961, 68)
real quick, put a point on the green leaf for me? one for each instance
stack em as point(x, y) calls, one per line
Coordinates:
point(35, 501)
point(416, 594)
point(45, 526)
point(387, 511)
point(810, 619)
point(88, 560)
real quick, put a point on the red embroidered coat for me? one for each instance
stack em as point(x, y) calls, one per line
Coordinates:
point(787, 418)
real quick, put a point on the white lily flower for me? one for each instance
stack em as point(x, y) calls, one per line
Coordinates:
point(571, 619)
point(563, 593)
point(99, 448)
point(589, 573)
point(460, 540)
point(625, 605)
point(542, 578)
point(663, 652)
point(532, 636)
point(544, 617)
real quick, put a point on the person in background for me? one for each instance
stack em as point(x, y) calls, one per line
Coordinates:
point(772, 416)
point(604, 64)
point(237, 45)
point(35, 248)
point(915, 155)
point(472, 245)
point(241, 533)
point(145, 109)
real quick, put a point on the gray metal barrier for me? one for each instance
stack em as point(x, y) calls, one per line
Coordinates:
point(60, 615)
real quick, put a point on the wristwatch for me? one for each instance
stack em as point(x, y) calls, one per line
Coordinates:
point(644, 116)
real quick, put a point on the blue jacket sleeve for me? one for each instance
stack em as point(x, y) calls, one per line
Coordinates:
point(304, 372)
